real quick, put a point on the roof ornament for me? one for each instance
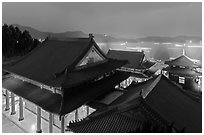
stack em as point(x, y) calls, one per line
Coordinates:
point(91, 35)
point(184, 51)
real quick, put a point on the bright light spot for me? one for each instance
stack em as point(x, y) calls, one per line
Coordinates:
point(168, 43)
point(122, 44)
point(190, 41)
point(196, 46)
point(33, 127)
point(178, 45)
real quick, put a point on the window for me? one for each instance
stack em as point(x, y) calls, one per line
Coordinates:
point(92, 57)
point(181, 80)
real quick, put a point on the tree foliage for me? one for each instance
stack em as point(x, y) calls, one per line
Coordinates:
point(15, 42)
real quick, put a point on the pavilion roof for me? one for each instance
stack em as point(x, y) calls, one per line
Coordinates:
point(53, 57)
point(135, 58)
point(49, 58)
point(183, 61)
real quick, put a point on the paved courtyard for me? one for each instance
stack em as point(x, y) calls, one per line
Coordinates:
point(10, 127)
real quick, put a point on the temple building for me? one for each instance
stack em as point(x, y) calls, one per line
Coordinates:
point(134, 67)
point(184, 71)
point(58, 77)
point(146, 107)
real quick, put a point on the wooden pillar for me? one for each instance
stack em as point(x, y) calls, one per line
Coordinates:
point(7, 101)
point(50, 123)
point(87, 110)
point(20, 109)
point(13, 111)
point(76, 114)
point(62, 124)
point(39, 130)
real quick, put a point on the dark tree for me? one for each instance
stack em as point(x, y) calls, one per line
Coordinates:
point(15, 42)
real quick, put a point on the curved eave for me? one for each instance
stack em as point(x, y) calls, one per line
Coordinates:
point(183, 72)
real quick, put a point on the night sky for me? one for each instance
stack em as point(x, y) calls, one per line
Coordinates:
point(117, 19)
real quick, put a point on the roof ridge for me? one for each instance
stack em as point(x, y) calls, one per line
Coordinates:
point(125, 51)
point(152, 86)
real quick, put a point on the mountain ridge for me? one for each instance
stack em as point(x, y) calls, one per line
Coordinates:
point(107, 38)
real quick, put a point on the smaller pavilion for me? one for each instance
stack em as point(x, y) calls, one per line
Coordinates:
point(184, 71)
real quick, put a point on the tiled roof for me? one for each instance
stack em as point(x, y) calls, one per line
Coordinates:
point(121, 119)
point(183, 61)
point(135, 58)
point(49, 58)
point(107, 123)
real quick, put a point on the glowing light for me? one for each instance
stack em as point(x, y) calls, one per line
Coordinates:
point(139, 48)
point(168, 43)
point(33, 127)
point(178, 45)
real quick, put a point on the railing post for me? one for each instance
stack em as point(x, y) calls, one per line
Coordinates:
point(50, 122)
point(62, 124)
point(20, 109)
point(39, 130)
point(7, 101)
